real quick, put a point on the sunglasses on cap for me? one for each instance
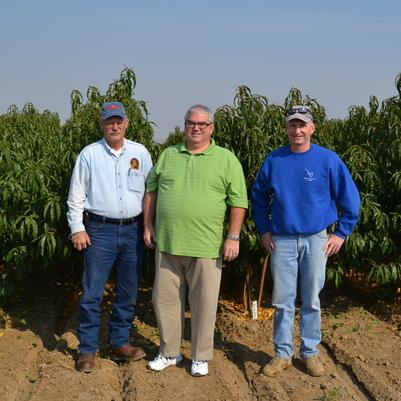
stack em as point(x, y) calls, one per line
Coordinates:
point(300, 110)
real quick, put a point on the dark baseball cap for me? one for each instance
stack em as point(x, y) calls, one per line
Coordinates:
point(112, 109)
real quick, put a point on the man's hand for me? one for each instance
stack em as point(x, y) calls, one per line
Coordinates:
point(332, 245)
point(80, 240)
point(149, 237)
point(267, 242)
point(149, 214)
point(231, 246)
point(231, 249)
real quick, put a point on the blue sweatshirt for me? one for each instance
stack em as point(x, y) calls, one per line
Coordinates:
point(298, 193)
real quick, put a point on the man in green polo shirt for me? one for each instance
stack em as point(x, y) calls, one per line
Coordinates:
point(188, 191)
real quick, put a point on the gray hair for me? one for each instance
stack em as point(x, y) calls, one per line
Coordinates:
point(200, 108)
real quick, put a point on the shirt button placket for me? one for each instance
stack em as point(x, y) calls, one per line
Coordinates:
point(119, 186)
point(190, 162)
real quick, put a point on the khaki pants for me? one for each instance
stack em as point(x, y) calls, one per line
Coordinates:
point(174, 274)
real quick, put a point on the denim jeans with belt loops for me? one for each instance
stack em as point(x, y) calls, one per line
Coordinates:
point(297, 258)
point(121, 246)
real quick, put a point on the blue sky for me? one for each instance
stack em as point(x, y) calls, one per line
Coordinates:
point(187, 52)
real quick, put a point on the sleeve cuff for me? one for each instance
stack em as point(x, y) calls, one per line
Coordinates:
point(341, 235)
point(77, 227)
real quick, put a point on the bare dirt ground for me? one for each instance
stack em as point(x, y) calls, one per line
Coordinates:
point(361, 352)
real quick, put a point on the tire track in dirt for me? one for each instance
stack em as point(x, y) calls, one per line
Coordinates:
point(367, 347)
point(373, 383)
point(249, 345)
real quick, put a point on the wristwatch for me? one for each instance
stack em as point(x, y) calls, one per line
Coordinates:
point(234, 237)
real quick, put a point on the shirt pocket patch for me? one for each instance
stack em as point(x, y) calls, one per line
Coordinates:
point(136, 181)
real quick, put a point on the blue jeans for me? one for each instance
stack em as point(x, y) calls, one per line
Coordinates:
point(111, 244)
point(297, 258)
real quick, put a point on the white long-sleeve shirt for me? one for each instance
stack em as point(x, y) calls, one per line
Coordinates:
point(108, 183)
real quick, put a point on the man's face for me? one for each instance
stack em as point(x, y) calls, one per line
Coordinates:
point(299, 134)
point(198, 130)
point(114, 129)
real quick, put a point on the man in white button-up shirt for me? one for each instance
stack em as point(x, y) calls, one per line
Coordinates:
point(105, 218)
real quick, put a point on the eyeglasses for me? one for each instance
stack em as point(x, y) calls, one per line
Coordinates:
point(201, 125)
point(300, 110)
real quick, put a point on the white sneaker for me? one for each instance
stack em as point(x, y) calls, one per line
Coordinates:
point(161, 362)
point(199, 368)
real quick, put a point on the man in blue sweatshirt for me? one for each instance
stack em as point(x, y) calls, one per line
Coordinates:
point(295, 198)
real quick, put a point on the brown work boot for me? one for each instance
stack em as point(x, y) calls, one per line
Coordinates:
point(85, 363)
point(276, 366)
point(313, 366)
point(127, 353)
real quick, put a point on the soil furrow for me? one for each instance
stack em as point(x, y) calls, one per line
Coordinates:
point(249, 345)
point(377, 386)
point(128, 390)
point(368, 347)
point(360, 354)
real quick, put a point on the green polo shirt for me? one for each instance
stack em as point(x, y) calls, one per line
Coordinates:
point(193, 191)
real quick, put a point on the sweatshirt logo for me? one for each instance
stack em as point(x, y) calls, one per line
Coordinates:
point(309, 176)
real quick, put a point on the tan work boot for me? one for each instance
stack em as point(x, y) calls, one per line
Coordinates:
point(276, 366)
point(313, 366)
